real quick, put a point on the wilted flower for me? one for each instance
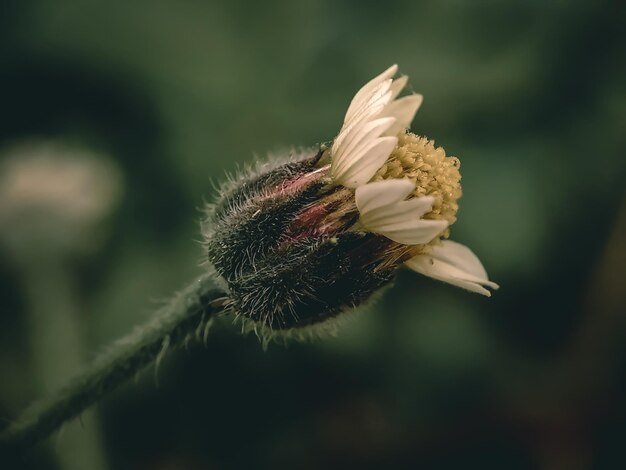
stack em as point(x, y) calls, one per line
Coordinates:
point(300, 241)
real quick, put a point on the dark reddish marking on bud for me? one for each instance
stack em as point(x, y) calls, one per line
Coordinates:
point(329, 215)
point(281, 240)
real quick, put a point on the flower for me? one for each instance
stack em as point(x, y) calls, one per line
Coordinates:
point(301, 241)
point(365, 142)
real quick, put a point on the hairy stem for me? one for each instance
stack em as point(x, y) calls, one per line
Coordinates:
point(187, 315)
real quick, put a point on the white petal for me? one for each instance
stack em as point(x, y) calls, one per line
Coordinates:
point(398, 85)
point(460, 256)
point(383, 210)
point(382, 193)
point(455, 264)
point(366, 90)
point(413, 231)
point(372, 104)
point(397, 211)
point(404, 111)
point(357, 139)
point(363, 164)
point(371, 110)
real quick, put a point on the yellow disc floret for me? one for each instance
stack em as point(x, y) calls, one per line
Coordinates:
point(434, 174)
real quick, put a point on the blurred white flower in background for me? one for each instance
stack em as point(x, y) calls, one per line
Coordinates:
point(53, 196)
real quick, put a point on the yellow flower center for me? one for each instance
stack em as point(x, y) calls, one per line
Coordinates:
point(434, 174)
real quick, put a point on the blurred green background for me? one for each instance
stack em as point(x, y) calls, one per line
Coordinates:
point(155, 100)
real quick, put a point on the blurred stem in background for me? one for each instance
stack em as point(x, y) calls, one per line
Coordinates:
point(57, 349)
point(52, 204)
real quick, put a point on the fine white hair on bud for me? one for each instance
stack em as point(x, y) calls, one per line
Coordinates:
point(316, 234)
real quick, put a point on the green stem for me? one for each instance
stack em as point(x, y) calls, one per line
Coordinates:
point(187, 315)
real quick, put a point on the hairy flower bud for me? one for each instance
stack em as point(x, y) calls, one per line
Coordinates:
point(303, 240)
point(282, 242)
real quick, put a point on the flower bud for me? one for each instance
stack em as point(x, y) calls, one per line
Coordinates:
point(282, 242)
